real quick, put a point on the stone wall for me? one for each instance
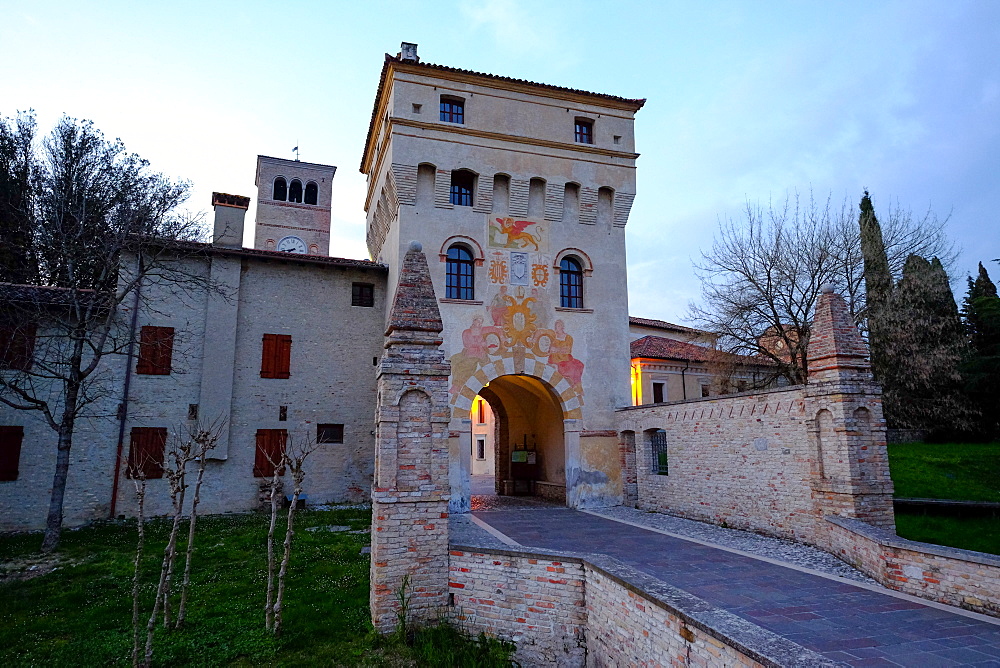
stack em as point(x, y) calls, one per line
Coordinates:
point(576, 610)
point(968, 579)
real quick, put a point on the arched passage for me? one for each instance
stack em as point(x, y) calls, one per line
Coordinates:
point(526, 438)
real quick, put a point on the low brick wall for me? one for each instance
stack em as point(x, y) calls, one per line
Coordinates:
point(964, 578)
point(591, 610)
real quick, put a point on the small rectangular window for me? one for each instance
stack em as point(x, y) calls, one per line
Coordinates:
point(481, 448)
point(282, 413)
point(276, 356)
point(584, 131)
point(362, 294)
point(192, 411)
point(329, 433)
point(417, 107)
point(452, 109)
point(156, 350)
point(17, 345)
point(705, 391)
point(657, 393)
point(145, 453)
point(482, 411)
point(270, 452)
point(10, 451)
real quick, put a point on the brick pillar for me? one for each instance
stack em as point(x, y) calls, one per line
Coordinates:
point(851, 469)
point(411, 491)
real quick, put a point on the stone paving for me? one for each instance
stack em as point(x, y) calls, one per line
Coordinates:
point(845, 622)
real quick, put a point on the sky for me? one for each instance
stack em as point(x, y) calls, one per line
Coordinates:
point(747, 101)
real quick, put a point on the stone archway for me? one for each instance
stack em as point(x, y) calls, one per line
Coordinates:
point(529, 437)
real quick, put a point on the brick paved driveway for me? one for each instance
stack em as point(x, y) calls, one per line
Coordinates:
point(841, 621)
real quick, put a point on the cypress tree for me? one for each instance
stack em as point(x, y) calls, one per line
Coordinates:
point(878, 287)
point(981, 315)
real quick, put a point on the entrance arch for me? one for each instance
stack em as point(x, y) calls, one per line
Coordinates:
point(528, 438)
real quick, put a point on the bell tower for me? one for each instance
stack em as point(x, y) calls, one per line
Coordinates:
point(293, 206)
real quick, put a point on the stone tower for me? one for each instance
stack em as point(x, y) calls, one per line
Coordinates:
point(410, 492)
point(519, 193)
point(293, 206)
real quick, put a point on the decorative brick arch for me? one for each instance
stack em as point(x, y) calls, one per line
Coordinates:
point(477, 251)
point(566, 397)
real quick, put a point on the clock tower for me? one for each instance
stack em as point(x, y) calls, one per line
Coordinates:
point(293, 206)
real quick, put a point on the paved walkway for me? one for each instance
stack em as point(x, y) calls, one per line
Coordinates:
point(838, 619)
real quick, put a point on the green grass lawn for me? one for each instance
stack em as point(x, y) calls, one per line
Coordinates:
point(960, 471)
point(80, 613)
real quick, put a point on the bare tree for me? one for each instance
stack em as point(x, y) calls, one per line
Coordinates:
point(275, 489)
point(99, 225)
point(763, 275)
point(139, 481)
point(202, 438)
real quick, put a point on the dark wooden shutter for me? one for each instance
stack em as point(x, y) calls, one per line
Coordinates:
point(145, 453)
point(276, 356)
point(156, 350)
point(270, 448)
point(10, 451)
point(17, 346)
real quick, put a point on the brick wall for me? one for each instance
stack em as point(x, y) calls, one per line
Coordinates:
point(968, 579)
point(576, 610)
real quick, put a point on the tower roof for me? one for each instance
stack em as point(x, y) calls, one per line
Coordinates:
point(414, 307)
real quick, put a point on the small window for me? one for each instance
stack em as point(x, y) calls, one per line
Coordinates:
point(658, 441)
point(657, 393)
point(570, 283)
point(452, 109)
point(156, 350)
point(481, 447)
point(460, 276)
point(329, 433)
point(295, 191)
point(584, 131)
point(270, 452)
point(280, 190)
point(462, 184)
point(145, 453)
point(17, 346)
point(705, 391)
point(10, 451)
point(481, 410)
point(192, 411)
point(417, 108)
point(276, 356)
point(312, 193)
point(282, 413)
point(362, 294)
point(618, 139)
point(741, 386)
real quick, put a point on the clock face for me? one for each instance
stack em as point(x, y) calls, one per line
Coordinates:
point(292, 245)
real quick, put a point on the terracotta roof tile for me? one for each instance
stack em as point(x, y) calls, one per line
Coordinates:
point(663, 324)
point(658, 347)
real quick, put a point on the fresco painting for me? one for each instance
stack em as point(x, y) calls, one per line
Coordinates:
point(516, 234)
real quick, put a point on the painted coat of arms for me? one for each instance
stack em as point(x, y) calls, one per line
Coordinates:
point(523, 235)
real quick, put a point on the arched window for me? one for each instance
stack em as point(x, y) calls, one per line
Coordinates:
point(280, 190)
point(460, 278)
point(570, 283)
point(463, 182)
point(295, 191)
point(312, 192)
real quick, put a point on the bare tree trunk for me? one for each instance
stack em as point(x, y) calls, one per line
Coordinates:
point(140, 494)
point(162, 594)
point(53, 523)
point(269, 604)
point(182, 608)
point(171, 552)
point(289, 533)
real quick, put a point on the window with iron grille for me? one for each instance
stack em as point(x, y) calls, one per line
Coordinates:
point(658, 442)
point(460, 275)
point(462, 184)
point(145, 452)
point(329, 433)
point(156, 350)
point(584, 131)
point(570, 283)
point(452, 109)
point(362, 294)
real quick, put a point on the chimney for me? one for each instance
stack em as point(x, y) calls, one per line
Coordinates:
point(230, 210)
point(408, 52)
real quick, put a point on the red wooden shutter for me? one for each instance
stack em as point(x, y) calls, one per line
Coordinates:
point(10, 451)
point(156, 350)
point(276, 356)
point(270, 448)
point(146, 452)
